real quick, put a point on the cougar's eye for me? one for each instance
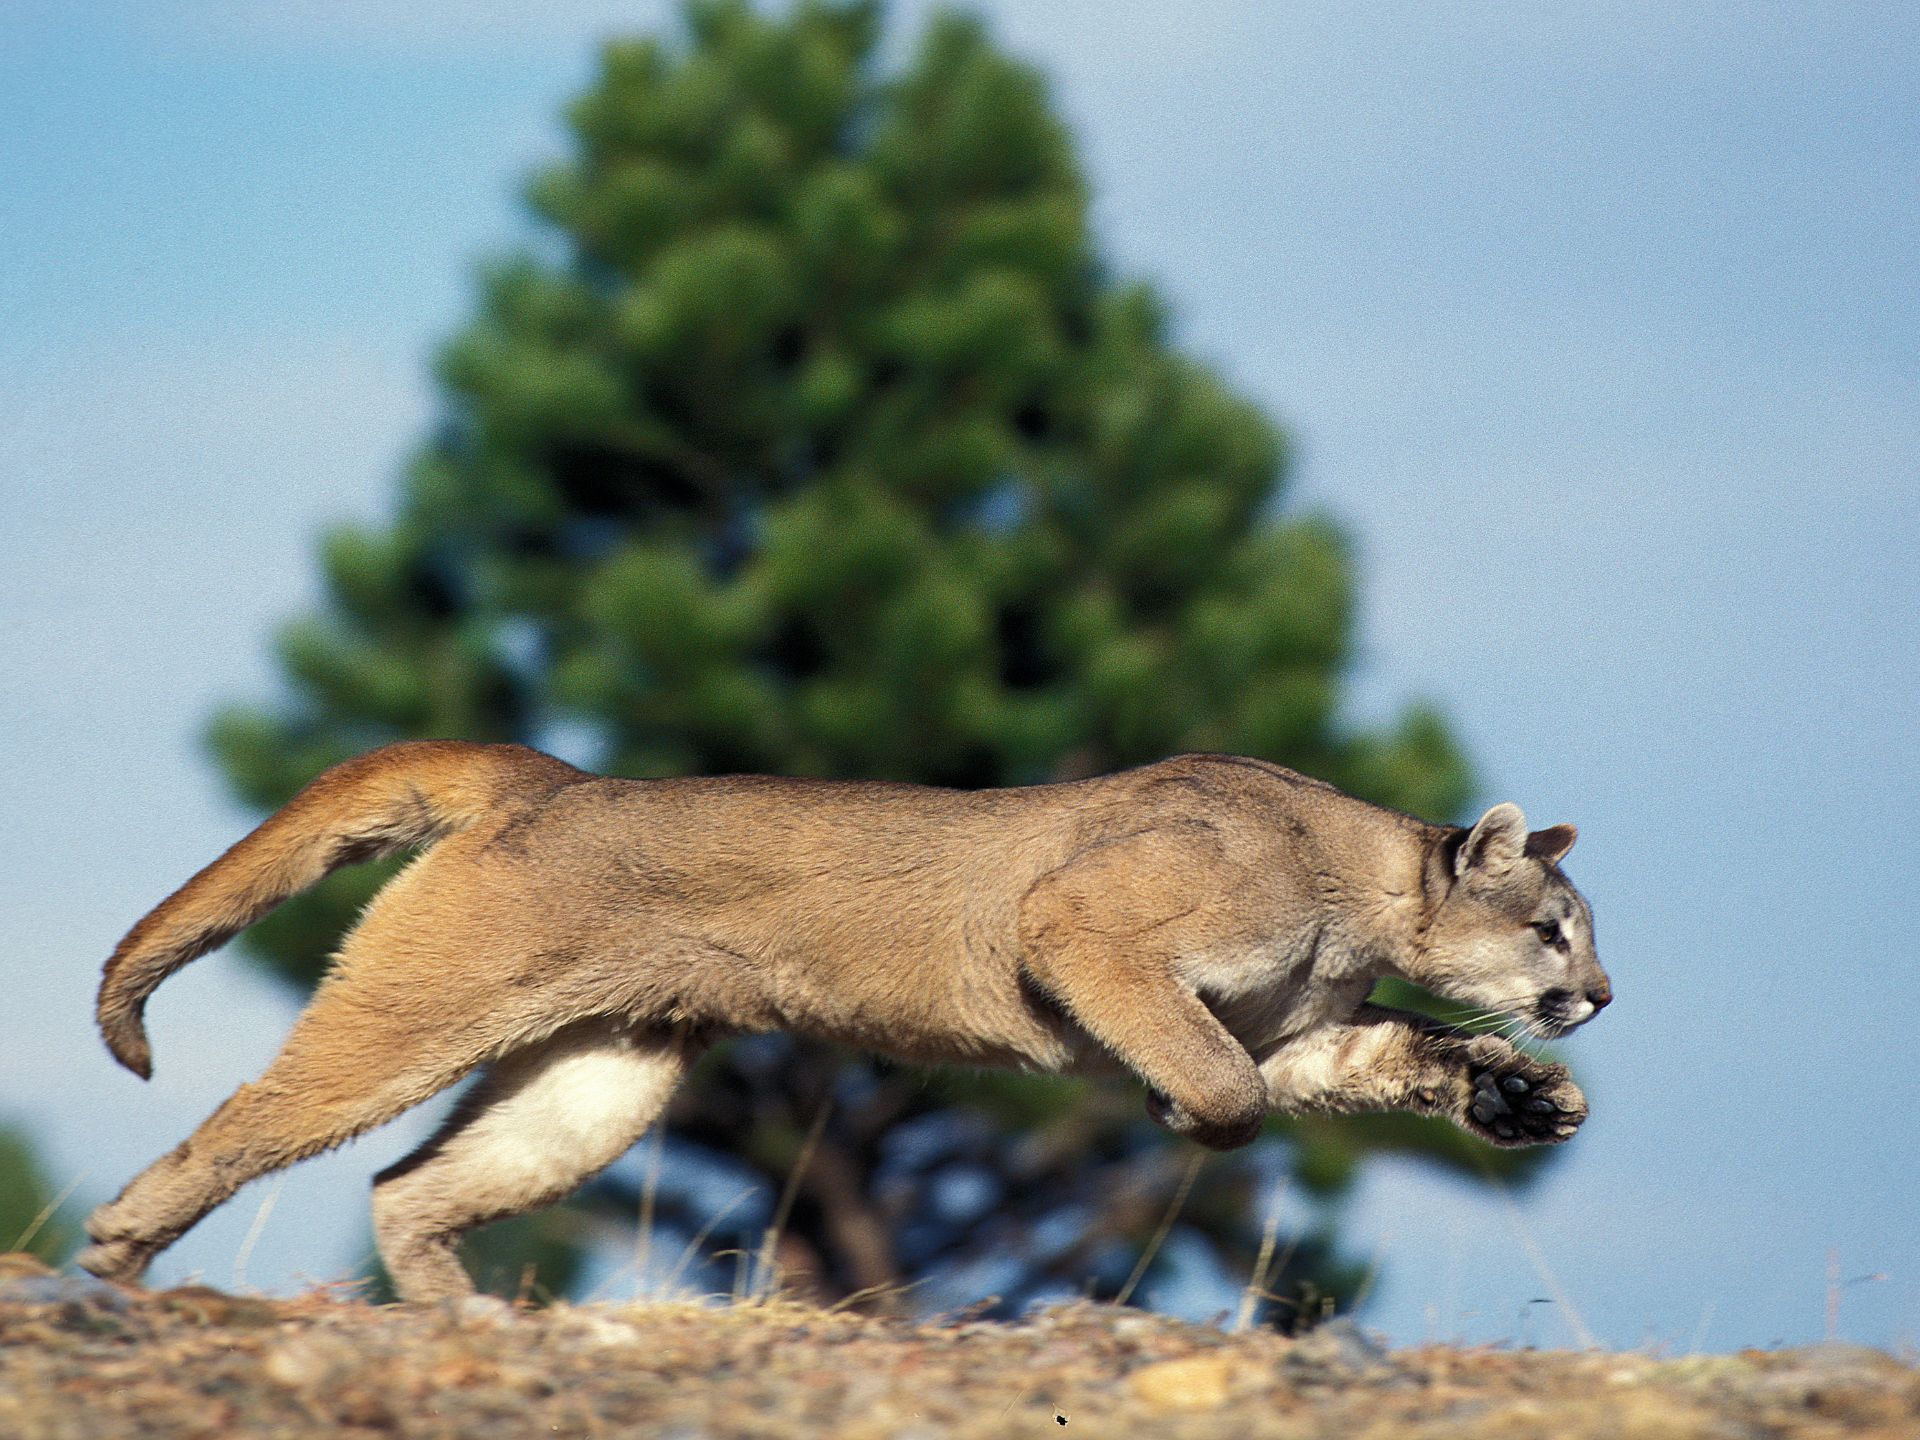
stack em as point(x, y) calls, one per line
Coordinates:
point(1549, 933)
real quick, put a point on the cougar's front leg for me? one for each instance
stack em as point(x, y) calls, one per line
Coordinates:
point(1390, 1060)
point(1100, 935)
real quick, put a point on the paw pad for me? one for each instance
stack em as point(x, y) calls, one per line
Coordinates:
point(1518, 1100)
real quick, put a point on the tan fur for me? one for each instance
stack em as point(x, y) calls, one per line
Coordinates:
point(1210, 924)
point(403, 795)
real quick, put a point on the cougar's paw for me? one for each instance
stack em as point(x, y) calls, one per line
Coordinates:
point(122, 1260)
point(1515, 1099)
point(1228, 1132)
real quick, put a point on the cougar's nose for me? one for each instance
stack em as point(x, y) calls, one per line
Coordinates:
point(1600, 996)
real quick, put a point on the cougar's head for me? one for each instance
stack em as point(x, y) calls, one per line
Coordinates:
point(1511, 934)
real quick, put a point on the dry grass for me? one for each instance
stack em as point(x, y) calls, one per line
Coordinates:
point(80, 1361)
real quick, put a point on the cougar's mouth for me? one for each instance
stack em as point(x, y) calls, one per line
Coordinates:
point(1561, 1012)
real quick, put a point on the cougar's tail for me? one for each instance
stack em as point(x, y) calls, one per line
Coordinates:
point(386, 800)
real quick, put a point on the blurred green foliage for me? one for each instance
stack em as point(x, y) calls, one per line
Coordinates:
point(813, 436)
point(30, 1220)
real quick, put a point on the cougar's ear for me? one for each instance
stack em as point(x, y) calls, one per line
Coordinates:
point(1551, 843)
point(1495, 843)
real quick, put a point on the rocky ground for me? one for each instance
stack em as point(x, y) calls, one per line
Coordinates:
point(84, 1361)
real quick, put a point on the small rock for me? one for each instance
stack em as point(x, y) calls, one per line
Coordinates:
point(1834, 1355)
point(482, 1309)
point(1198, 1382)
point(590, 1327)
point(1337, 1345)
point(307, 1361)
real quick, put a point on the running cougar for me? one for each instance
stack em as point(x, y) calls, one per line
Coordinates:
point(1210, 924)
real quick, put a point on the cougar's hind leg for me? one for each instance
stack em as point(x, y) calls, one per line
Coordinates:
point(540, 1123)
point(354, 1060)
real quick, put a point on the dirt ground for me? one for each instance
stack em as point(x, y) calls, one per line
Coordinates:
point(85, 1361)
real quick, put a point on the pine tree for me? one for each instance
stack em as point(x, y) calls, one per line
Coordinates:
point(32, 1218)
point(815, 438)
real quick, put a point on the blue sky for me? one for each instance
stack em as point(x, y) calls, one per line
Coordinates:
point(1597, 324)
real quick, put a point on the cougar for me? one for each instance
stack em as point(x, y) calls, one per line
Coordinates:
point(1211, 925)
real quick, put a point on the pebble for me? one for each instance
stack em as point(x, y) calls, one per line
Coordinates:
point(1195, 1382)
point(1337, 1345)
